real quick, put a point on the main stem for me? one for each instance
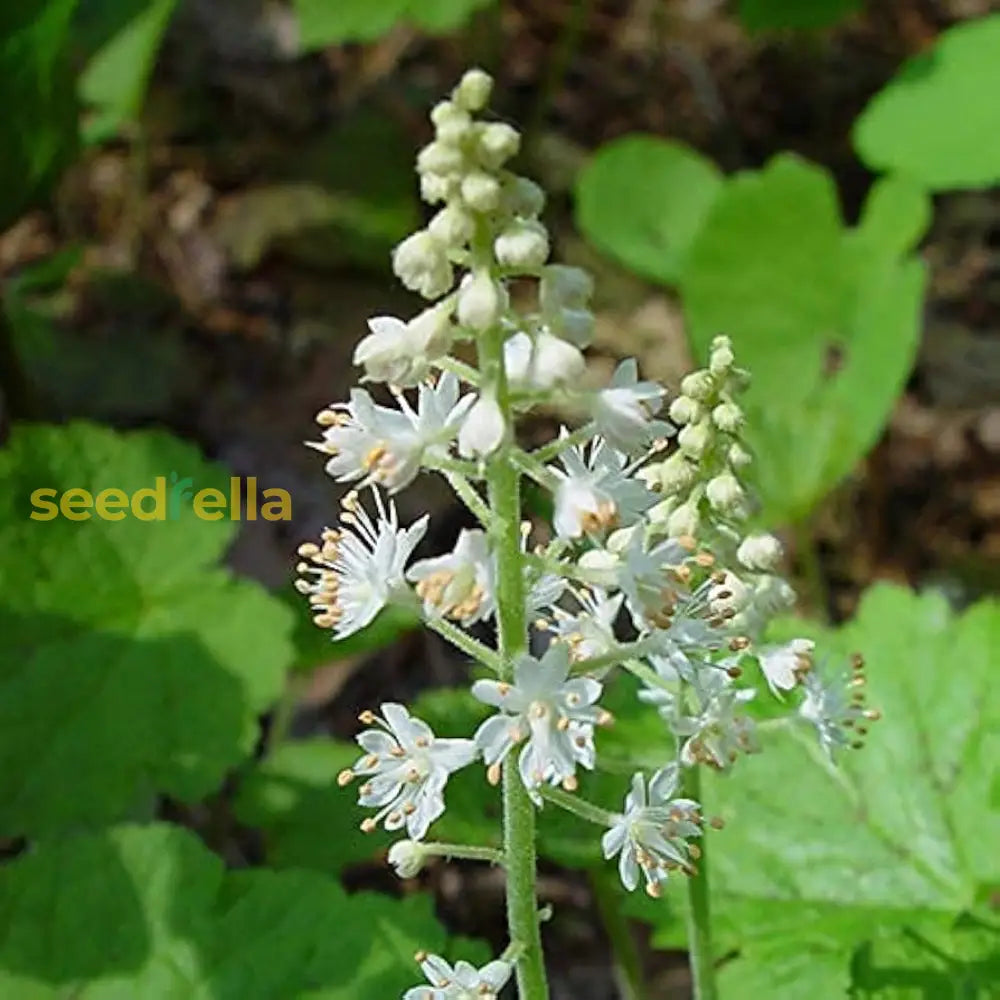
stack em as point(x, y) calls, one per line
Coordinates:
point(518, 811)
point(698, 916)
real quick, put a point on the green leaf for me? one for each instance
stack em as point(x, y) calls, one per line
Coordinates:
point(764, 15)
point(132, 664)
point(113, 84)
point(826, 318)
point(827, 875)
point(307, 820)
point(38, 127)
point(642, 200)
point(939, 119)
point(149, 912)
point(331, 22)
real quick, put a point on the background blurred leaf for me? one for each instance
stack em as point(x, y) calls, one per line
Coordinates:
point(939, 119)
point(826, 319)
point(762, 15)
point(642, 200)
point(131, 663)
point(150, 912)
point(330, 22)
point(38, 126)
point(113, 84)
point(824, 875)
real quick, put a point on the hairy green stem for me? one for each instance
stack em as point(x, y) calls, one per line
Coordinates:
point(698, 916)
point(466, 852)
point(461, 639)
point(512, 628)
point(625, 954)
point(574, 804)
point(556, 447)
point(472, 500)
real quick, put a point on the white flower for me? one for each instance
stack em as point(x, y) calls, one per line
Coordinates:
point(834, 704)
point(405, 767)
point(461, 981)
point(596, 493)
point(783, 666)
point(541, 362)
point(523, 244)
point(554, 713)
point(624, 411)
point(651, 579)
point(385, 446)
point(458, 585)
point(421, 263)
point(481, 301)
point(716, 733)
point(591, 631)
point(407, 858)
point(652, 834)
point(359, 568)
point(398, 352)
point(482, 430)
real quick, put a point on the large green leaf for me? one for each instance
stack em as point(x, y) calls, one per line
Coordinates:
point(642, 200)
point(38, 125)
point(148, 912)
point(827, 319)
point(939, 119)
point(880, 872)
point(113, 84)
point(331, 22)
point(762, 15)
point(131, 663)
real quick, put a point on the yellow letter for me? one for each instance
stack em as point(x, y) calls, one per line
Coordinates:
point(110, 504)
point(282, 500)
point(75, 503)
point(159, 495)
point(45, 510)
point(208, 504)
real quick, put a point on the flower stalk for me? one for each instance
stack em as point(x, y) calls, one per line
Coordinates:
point(699, 924)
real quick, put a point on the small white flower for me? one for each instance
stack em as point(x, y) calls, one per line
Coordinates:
point(380, 445)
point(407, 857)
point(405, 767)
point(596, 493)
point(834, 704)
point(421, 263)
point(716, 734)
point(624, 411)
point(481, 301)
point(541, 362)
point(652, 834)
point(554, 713)
point(651, 579)
point(523, 244)
point(398, 352)
point(458, 585)
point(359, 568)
point(461, 981)
point(591, 631)
point(784, 666)
point(482, 430)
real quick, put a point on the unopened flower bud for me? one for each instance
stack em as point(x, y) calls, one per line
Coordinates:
point(498, 142)
point(541, 362)
point(760, 552)
point(685, 410)
point(562, 285)
point(574, 325)
point(725, 493)
point(523, 197)
point(407, 857)
point(435, 188)
point(738, 457)
point(522, 244)
point(421, 263)
point(721, 358)
point(481, 301)
point(431, 330)
point(728, 417)
point(698, 385)
point(473, 90)
point(693, 439)
point(481, 191)
point(677, 474)
point(440, 158)
point(683, 521)
point(453, 226)
point(482, 430)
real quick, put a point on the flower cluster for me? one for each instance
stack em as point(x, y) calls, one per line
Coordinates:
point(648, 566)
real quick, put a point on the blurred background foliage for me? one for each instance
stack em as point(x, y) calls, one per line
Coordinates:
point(199, 199)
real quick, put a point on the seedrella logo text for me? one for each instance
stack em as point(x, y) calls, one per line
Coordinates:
point(164, 501)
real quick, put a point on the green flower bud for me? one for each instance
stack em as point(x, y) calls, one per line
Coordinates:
point(694, 438)
point(498, 142)
point(728, 417)
point(698, 385)
point(473, 90)
point(725, 493)
point(685, 410)
point(481, 191)
point(440, 158)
